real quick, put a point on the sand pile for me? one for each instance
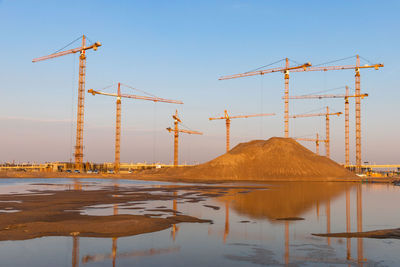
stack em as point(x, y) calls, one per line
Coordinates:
point(273, 159)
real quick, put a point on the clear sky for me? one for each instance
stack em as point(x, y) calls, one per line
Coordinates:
point(177, 50)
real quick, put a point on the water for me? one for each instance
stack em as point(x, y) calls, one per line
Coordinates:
point(249, 228)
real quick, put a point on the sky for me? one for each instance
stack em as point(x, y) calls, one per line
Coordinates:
point(178, 50)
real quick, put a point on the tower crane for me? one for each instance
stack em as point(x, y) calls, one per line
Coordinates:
point(81, 93)
point(118, 95)
point(228, 118)
point(176, 131)
point(357, 67)
point(284, 70)
point(316, 140)
point(346, 112)
point(327, 114)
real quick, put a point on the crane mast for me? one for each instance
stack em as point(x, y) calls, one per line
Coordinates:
point(327, 137)
point(316, 140)
point(118, 95)
point(228, 118)
point(357, 68)
point(81, 94)
point(346, 108)
point(176, 136)
point(358, 117)
point(176, 131)
point(81, 108)
point(347, 128)
point(118, 131)
point(285, 70)
point(286, 116)
point(327, 125)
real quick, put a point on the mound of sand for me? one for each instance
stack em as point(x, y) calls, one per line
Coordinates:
point(268, 160)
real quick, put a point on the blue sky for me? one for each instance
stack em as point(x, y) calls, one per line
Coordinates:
point(177, 50)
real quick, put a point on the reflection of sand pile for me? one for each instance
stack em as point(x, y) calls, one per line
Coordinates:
point(286, 200)
point(273, 159)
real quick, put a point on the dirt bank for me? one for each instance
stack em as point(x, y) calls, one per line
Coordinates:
point(380, 234)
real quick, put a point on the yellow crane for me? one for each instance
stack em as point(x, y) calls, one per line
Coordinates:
point(357, 67)
point(326, 114)
point(307, 67)
point(228, 118)
point(81, 93)
point(316, 140)
point(346, 114)
point(285, 70)
point(176, 131)
point(118, 95)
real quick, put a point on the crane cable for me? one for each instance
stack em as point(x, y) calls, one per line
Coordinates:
point(304, 135)
point(144, 92)
point(366, 60)
point(328, 90)
point(107, 87)
point(90, 41)
point(266, 65)
point(68, 44)
point(333, 61)
point(311, 111)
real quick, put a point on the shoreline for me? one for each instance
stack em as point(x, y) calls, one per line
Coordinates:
point(159, 177)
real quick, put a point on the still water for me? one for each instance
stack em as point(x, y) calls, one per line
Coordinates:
point(271, 226)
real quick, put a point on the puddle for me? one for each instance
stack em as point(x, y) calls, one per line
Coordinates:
point(250, 227)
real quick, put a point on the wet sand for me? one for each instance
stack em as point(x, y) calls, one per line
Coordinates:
point(148, 175)
point(379, 234)
point(59, 213)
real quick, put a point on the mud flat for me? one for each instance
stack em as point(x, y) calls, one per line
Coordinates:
point(379, 234)
point(60, 213)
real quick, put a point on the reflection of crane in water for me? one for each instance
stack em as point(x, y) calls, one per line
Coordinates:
point(286, 243)
point(114, 254)
point(348, 226)
point(360, 245)
point(147, 252)
point(328, 219)
point(175, 228)
point(360, 248)
point(226, 229)
point(75, 235)
point(114, 239)
point(75, 250)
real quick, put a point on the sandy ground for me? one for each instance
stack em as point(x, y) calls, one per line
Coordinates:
point(58, 213)
point(156, 176)
point(380, 234)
